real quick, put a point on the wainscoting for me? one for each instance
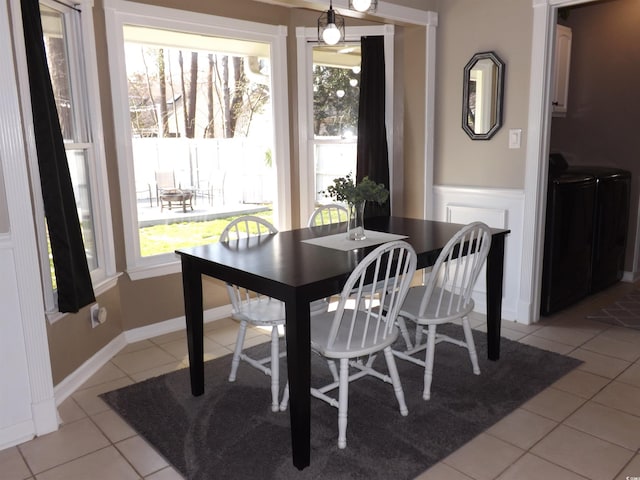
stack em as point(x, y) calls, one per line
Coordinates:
point(498, 208)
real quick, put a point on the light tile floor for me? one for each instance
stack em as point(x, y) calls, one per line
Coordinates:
point(585, 426)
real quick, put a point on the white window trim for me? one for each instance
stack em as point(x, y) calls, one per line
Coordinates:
point(119, 13)
point(105, 277)
point(306, 38)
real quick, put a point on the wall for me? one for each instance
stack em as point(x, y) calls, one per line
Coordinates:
point(465, 28)
point(601, 123)
point(414, 120)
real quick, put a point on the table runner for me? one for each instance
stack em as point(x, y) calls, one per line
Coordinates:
point(339, 241)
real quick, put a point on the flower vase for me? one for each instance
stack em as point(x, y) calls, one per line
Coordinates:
point(355, 227)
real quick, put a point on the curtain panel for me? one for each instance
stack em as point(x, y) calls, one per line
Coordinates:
point(373, 156)
point(73, 279)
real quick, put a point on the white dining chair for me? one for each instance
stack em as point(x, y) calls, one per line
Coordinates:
point(250, 308)
point(328, 215)
point(363, 325)
point(445, 298)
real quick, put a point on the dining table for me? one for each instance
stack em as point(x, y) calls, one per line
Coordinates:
point(302, 265)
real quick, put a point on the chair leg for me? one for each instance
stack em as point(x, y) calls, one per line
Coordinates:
point(419, 331)
point(428, 362)
point(333, 370)
point(405, 333)
point(285, 398)
point(471, 346)
point(237, 351)
point(275, 369)
point(343, 402)
point(395, 380)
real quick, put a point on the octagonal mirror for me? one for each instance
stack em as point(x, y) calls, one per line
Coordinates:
point(482, 96)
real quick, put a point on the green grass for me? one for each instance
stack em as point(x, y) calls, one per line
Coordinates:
point(159, 239)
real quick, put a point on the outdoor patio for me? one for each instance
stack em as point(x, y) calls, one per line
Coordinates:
point(203, 210)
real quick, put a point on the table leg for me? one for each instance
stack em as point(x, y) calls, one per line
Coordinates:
point(299, 367)
point(192, 288)
point(495, 265)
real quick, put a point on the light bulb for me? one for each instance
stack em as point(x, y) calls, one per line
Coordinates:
point(340, 93)
point(356, 69)
point(353, 82)
point(361, 5)
point(331, 34)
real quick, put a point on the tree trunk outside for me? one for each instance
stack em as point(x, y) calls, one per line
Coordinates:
point(190, 126)
point(228, 133)
point(184, 91)
point(164, 118)
point(209, 131)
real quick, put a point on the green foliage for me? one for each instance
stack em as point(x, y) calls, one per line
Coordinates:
point(268, 158)
point(345, 190)
point(332, 114)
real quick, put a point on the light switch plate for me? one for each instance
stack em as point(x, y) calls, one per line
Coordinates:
point(515, 137)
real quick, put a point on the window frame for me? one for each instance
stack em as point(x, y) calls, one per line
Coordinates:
point(307, 38)
point(119, 13)
point(82, 59)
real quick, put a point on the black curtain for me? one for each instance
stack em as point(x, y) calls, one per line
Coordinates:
point(69, 258)
point(373, 156)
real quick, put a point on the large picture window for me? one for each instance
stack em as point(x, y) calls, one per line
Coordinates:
point(199, 107)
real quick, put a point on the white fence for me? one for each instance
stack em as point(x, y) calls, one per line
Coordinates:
point(239, 169)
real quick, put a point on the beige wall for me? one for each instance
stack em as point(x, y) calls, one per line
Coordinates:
point(72, 341)
point(414, 119)
point(601, 126)
point(466, 27)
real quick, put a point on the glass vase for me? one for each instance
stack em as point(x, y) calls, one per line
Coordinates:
point(355, 227)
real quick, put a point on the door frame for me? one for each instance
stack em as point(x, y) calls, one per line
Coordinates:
point(537, 166)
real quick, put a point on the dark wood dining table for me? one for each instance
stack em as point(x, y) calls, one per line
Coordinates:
point(285, 267)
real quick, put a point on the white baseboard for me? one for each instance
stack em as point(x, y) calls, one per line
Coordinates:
point(16, 434)
point(72, 382)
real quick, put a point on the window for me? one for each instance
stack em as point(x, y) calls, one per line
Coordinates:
point(199, 100)
point(328, 97)
point(336, 91)
point(70, 50)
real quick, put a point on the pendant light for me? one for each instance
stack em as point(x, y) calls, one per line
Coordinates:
point(330, 27)
point(363, 5)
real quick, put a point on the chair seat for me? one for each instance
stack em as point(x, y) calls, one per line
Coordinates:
point(415, 297)
point(321, 326)
point(261, 311)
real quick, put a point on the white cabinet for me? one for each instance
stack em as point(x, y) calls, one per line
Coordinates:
point(562, 62)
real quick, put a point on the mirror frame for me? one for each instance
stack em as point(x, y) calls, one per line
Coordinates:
point(499, 95)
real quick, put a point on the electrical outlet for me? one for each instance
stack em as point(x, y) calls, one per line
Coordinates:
point(95, 315)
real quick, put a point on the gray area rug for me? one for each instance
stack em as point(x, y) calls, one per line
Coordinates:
point(231, 433)
point(624, 312)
